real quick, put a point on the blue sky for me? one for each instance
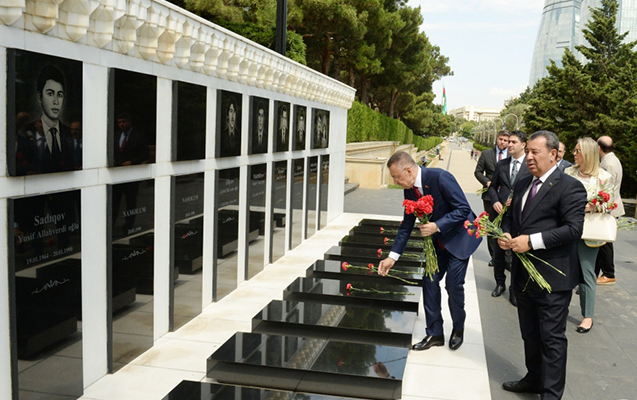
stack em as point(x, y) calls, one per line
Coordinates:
point(489, 44)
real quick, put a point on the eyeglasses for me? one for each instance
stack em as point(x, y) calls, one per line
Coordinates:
point(577, 151)
point(399, 175)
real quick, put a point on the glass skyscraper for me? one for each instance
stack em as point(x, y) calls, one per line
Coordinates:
point(561, 27)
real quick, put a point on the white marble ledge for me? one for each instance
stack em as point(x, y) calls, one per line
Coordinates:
point(160, 32)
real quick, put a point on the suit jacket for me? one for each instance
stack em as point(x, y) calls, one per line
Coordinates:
point(135, 150)
point(564, 164)
point(500, 188)
point(557, 212)
point(451, 210)
point(611, 163)
point(485, 168)
point(41, 160)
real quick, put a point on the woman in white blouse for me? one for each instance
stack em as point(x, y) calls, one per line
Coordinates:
point(594, 178)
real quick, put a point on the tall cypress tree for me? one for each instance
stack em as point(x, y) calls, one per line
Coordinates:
point(596, 98)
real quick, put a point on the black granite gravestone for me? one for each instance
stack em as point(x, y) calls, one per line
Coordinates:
point(189, 121)
point(258, 125)
point(132, 118)
point(44, 113)
point(310, 365)
point(299, 127)
point(345, 323)
point(228, 132)
point(189, 390)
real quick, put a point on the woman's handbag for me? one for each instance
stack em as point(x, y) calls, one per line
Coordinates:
point(599, 227)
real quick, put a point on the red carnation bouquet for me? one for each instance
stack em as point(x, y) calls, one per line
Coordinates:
point(422, 208)
point(482, 226)
point(602, 202)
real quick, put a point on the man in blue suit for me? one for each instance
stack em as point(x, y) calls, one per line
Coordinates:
point(452, 243)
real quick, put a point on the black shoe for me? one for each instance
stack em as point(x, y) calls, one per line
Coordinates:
point(521, 386)
point(497, 292)
point(512, 299)
point(455, 341)
point(491, 263)
point(581, 329)
point(429, 341)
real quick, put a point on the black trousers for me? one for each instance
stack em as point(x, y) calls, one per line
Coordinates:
point(501, 261)
point(542, 317)
point(605, 261)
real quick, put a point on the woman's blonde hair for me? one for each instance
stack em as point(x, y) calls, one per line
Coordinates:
point(590, 154)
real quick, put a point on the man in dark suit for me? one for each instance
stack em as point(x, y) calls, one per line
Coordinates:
point(452, 243)
point(546, 218)
point(484, 172)
point(504, 176)
point(131, 147)
point(562, 164)
point(51, 151)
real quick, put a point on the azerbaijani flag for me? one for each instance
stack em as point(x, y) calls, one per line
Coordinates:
point(444, 101)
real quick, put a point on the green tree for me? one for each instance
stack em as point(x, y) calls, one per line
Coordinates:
point(596, 98)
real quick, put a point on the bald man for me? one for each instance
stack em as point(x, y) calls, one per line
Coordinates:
point(610, 162)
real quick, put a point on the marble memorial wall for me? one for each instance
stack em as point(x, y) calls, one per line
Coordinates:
point(165, 128)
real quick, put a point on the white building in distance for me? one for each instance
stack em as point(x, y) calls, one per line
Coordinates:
point(478, 114)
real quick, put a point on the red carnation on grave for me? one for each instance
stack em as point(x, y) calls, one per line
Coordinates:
point(348, 287)
point(385, 241)
point(379, 252)
point(345, 265)
point(340, 362)
point(382, 229)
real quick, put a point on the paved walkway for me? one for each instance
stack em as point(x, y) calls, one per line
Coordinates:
point(602, 364)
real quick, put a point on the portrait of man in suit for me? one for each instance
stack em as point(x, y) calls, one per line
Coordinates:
point(44, 95)
point(259, 110)
point(282, 126)
point(545, 219)
point(229, 124)
point(299, 127)
point(51, 152)
point(453, 246)
point(321, 129)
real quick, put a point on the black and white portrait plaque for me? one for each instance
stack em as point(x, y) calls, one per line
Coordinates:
point(282, 126)
point(259, 119)
point(189, 121)
point(132, 118)
point(228, 124)
point(320, 128)
point(299, 127)
point(44, 113)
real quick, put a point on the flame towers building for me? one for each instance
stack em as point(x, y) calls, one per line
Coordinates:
point(561, 27)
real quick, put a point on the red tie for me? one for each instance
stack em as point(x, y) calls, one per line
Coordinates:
point(500, 155)
point(417, 192)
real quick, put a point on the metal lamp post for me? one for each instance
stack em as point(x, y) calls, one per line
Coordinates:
point(517, 121)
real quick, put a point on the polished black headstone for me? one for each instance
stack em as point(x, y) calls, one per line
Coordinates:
point(188, 191)
point(299, 127)
point(132, 128)
point(189, 121)
point(228, 135)
point(376, 242)
point(281, 126)
point(362, 293)
point(320, 128)
point(387, 231)
point(333, 269)
point(345, 323)
point(310, 365)
point(258, 125)
point(43, 93)
point(189, 390)
point(366, 255)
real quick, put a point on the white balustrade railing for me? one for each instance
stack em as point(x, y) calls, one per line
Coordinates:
point(158, 31)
